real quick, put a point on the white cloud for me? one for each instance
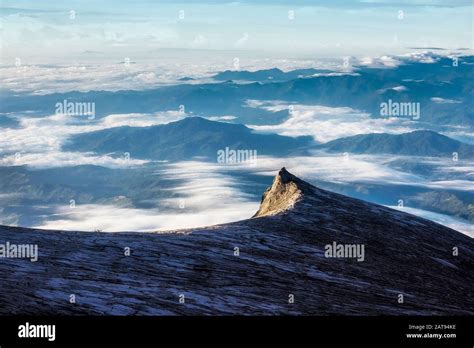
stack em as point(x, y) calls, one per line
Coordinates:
point(463, 134)
point(87, 72)
point(336, 168)
point(460, 185)
point(139, 119)
point(45, 79)
point(392, 61)
point(400, 88)
point(421, 57)
point(444, 101)
point(222, 118)
point(64, 159)
point(138, 75)
point(37, 143)
point(110, 218)
point(207, 197)
point(369, 169)
point(326, 123)
point(210, 193)
point(448, 221)
point(378, 62)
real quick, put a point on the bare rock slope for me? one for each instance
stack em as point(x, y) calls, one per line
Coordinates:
point(255, 266)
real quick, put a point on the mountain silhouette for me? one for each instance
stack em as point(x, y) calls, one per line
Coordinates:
point(184, 139)
point(417, 143)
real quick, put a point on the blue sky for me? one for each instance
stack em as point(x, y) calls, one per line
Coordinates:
point(45, 31)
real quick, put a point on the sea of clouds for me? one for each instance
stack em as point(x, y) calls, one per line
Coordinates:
point(212, 194)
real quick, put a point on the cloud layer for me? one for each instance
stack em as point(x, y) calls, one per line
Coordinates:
point(326, 123)
point(38, 140)
point(455, 224)
point(207, 197)
point(212, 194)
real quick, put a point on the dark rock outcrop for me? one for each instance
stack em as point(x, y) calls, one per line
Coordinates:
point(256, 266)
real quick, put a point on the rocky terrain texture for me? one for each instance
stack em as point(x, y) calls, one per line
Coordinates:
point(281, 255)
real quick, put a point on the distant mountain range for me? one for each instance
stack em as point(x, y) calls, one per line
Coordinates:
point(316, 252)
point(199, 137)
point(417, 143)
point(185, 139)
point(444, 92)
point(267, 75)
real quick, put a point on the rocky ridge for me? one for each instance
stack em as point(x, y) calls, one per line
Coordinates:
point(274, 263)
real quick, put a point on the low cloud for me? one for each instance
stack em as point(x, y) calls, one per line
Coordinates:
point(166, 70)
point(38, 140)
point(326, 123)
point(53, 159)
point(140, 119)
point(400, 88)
point(368, 169)
point(336, 169)
point(379, 62)
point(210, 194)
point(109, 218)
point(444, 101)
point(207, 197)
point(448, 221)
point(222, 118)
point(393, 61)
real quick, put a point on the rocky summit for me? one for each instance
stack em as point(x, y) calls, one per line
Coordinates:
point(306, 251)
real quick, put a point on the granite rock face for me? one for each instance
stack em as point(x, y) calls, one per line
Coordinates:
point(286, 189)
point(272, 264)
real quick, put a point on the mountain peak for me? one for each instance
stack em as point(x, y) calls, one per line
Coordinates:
point(416, 143)
point(285, 176)
point(286, 189)
point(192, 119)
